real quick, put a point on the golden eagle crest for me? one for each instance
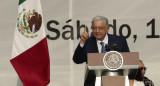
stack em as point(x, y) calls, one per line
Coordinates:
point(29, 23)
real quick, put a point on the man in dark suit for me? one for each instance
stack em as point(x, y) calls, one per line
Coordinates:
point(94, 44)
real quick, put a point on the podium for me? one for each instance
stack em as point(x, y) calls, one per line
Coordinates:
point(106, 77)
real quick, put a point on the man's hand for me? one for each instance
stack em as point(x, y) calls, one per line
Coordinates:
point(84, 36)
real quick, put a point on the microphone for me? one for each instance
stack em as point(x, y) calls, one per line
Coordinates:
point(115, 47)
point(107, 47)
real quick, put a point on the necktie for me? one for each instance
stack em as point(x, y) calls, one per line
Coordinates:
point(103, 48)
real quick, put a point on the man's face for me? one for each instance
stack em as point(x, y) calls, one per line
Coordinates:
point(99, 29)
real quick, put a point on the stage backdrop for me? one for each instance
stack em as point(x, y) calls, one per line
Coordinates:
point(137, 20)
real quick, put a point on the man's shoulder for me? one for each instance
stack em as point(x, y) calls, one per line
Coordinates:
point(115, 36)
point(91, 38)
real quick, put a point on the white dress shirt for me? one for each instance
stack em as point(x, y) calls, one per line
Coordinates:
point(105, 40)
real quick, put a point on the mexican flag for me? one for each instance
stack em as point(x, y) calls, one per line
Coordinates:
point(30, 56)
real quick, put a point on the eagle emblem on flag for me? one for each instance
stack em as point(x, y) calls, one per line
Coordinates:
point(29, 22)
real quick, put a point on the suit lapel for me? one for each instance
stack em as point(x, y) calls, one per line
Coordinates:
point(110, 41)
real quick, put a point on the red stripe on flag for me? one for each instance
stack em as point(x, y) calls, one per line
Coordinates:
point(33, 65)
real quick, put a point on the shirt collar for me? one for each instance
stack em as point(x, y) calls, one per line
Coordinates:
point(105, 40)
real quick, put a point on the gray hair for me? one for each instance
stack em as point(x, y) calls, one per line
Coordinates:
point(100, 18)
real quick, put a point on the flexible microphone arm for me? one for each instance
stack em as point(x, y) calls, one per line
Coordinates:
point(115, 47)
point(107, 47)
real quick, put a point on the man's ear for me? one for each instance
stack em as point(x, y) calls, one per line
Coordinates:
point(108, 28)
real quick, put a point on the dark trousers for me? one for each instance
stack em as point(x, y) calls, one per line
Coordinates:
point(90, 80)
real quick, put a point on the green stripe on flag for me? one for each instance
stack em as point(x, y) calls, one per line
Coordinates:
point(21, 1)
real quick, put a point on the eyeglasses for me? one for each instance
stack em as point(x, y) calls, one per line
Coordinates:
point(98, 28)
point(143, 68)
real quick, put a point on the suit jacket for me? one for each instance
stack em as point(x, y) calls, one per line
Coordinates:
point(80, 54)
